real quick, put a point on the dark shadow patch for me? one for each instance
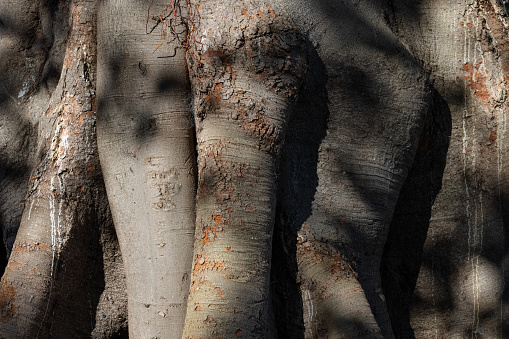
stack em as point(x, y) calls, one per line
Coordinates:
point(3, 255)
point(298, 181)
point(403, 251)
point(79, 278)
point(50, 76)
point(146, 125)
point(122, 333)
point(166, 84)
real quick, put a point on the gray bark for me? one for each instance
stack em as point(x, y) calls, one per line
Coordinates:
point(54, 280)
point(460, 290)
point(146, 145)
point(344, 163)
point(245, 74)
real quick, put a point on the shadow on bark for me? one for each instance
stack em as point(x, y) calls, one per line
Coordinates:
point(297, 187)
point(504, 263)
point(403, 251)
point(79, 281)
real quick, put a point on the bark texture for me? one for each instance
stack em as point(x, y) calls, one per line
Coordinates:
point(146, 144)
point(275, 169)
point(336, 207)
point(55, 276)
point(246, 66)
point(460, 290)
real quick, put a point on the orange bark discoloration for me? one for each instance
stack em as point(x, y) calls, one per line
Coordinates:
point(219, 219)
point(207, 230)
point(271, 12)
point(493, 136)
point(202, 264)
point(477, 80)
point(7, 295)
point(23, 247)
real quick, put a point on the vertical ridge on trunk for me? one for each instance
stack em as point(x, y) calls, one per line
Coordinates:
point(146, 145)
point(246, 63)
point(460, 289)
point(60, 206)
point(376, 98)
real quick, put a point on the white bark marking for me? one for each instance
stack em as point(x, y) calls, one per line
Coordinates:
point(24, 90)
point(30, 210)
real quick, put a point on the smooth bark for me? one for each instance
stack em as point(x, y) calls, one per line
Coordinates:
point(146, 146)
point(246, 67)
point(369, 134)
point(460, 290)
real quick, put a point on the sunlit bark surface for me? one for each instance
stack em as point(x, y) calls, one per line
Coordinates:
point(275, 169)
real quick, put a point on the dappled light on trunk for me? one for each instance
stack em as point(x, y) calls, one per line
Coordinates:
point(275, 169)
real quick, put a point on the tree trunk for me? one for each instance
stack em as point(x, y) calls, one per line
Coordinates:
point(460, 290)
point(344, 163)
point(47, 289)
point(146, 146)
point(245, 74)
point(373, 103)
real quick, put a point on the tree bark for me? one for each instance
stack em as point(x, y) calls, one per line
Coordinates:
point(460, 290)
point(246, 67)
point(369, 135)
point(146, 145)
point(47, 289)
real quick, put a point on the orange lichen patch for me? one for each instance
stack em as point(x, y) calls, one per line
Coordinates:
point(340, 266)
point(91, 168)
point(263, 129)
point(20, 248)
point(202, 264)
point(260, 14)
point(80, 120)
point(317, 251)
point(197, 308)
point(238, 332)
point(228, 248)
point(207, 230)
point(244, 12)
point(271, 12)
point(466, 24)
point(217, 92)
point(218, 219)
point(7, 295)
point(476, 80)
point(493, 136)
point(219, 291)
